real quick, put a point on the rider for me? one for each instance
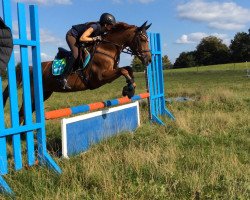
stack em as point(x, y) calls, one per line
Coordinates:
point(84, 33)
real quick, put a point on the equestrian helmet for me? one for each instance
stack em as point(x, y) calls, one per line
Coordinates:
point(107, 18)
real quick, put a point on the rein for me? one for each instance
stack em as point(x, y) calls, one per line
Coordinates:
point(118, 47)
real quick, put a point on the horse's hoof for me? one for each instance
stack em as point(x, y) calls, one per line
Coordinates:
point(131, 94)
point(128, 90)
point(125, 91)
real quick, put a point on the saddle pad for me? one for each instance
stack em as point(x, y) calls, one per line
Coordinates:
point(58, 66)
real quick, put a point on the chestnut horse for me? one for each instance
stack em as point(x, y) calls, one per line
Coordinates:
point(103, 66)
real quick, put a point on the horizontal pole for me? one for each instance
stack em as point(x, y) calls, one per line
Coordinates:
point(157, 96)
point(20, 129)
point(65, 112)
point(156, 52)
point(24, 42)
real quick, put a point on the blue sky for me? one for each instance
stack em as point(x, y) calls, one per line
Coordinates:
point(182, 23)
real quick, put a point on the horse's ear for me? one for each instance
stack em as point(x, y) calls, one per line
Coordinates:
point(147, 27)
point(142, 26)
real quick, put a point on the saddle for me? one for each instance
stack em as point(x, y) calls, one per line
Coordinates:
point(60, 61)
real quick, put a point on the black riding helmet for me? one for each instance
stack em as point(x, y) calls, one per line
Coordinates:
point(107, 18)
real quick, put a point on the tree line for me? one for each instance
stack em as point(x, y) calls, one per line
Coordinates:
point(210, 51)
point(139, 67)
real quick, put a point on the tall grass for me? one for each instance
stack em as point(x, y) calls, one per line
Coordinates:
point(204, 154)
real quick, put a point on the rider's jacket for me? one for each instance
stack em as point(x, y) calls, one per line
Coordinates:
point(77, 30)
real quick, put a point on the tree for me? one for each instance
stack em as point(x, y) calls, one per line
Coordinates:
point(240, 47)
point(137, 65)
point(212, 51)
point(186, 59)
point(166, 64)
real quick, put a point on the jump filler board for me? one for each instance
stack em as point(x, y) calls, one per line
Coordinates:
point(80, 132)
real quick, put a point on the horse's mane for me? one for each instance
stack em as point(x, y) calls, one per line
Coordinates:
point(119, 30)
point(121, 26)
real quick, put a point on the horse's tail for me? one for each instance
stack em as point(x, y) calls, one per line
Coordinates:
point(19, 78)
point(18, 82)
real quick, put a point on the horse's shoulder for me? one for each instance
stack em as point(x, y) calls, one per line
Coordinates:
point(46, 64)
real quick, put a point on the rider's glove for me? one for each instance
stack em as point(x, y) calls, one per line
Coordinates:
point(97, 38)
point(82, 44)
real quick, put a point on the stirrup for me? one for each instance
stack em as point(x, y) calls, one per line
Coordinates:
point(65, 84)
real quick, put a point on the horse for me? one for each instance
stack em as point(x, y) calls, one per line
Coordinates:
point(103, 67)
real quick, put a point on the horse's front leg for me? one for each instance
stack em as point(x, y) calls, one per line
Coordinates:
point(127, 72)
point(129, 89)
point(109, 76)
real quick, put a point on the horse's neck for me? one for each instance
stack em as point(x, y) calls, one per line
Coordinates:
point(117, 41)
point(121, 39)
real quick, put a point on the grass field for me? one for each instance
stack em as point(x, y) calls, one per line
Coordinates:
point(204, 154)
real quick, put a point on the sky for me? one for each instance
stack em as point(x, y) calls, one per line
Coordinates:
point(181, 23)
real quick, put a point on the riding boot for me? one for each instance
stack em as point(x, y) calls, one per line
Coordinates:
point(68, 68)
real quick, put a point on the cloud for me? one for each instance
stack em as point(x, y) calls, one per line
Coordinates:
point(68, 2)
point(144, 1)
point(46, 57)
point(193, 38)
point(116, 1)
point(183, 40)
point(47, 2)
point(45, 35)
point(133, 1)
point(218, 15)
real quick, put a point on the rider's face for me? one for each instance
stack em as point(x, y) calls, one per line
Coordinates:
point(108, 26)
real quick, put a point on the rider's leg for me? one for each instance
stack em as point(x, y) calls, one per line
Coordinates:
point(71, 60)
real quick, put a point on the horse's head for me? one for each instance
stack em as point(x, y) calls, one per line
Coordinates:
point(140, 44)
point(132, 37)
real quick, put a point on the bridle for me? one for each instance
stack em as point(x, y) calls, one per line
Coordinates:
point(136, 48)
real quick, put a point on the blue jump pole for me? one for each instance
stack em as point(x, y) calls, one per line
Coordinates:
point(29, 127)
point(156, 82)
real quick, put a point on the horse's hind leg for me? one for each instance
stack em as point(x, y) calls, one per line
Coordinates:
point(21, 114)
point(18, 82)
point(46, 95)
point(5, 95)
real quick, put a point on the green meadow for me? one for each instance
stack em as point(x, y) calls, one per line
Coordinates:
point(203, 154)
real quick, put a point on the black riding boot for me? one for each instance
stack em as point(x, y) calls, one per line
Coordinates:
point(68, 68)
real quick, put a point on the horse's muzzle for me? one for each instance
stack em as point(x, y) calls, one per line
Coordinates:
point(146, 58)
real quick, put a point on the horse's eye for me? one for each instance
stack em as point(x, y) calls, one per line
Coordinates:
point(143, 39)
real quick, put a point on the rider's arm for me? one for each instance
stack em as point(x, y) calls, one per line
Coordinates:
point(85, 36)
